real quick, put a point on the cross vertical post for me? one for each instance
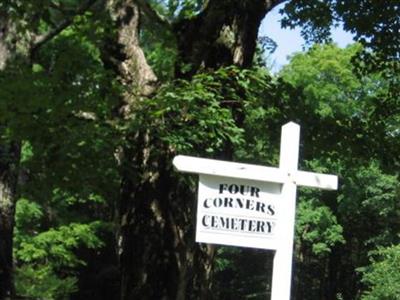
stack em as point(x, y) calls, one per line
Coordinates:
point(288, 162)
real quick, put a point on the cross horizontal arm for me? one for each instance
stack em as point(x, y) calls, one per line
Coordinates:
point(214, 167)
point(316, 180)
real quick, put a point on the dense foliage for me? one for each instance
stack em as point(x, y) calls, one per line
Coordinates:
point(60, 102)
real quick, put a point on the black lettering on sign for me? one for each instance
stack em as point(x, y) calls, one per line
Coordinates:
point(245, 190)
point(249, 204)
point(238, 224)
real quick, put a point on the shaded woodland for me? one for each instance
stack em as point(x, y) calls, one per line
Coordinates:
point(98, 96)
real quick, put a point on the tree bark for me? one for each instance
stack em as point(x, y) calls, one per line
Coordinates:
point(224, 33)
point(5, 51)
point(141, 242)
point(123, 54)
point(9, 159)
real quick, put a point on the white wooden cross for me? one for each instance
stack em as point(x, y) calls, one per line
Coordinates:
point(254, 206)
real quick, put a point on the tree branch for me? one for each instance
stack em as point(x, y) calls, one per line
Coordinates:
point(151, 13)
point(46, 37)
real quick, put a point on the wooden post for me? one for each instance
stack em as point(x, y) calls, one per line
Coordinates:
point(282, 268)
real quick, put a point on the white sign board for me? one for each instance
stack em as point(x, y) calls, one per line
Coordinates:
point(254, 206)
point(237, 212)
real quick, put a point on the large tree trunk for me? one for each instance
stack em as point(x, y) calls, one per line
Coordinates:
point(224, 33)
point(158, 256)
point(140, 246)
point(123, 54)
point(5, 51)
point(9, 159)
